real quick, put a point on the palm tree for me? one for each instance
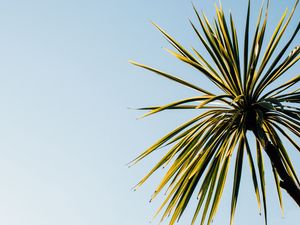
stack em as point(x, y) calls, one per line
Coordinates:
point(199, 151)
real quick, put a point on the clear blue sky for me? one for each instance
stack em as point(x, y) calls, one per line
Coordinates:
point(66, 132)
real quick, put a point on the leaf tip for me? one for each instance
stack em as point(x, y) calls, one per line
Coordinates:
point(133, 62)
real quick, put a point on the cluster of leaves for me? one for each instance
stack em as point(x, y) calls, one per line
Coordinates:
point(200, 150)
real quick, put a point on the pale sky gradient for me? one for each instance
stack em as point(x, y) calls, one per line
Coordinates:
point(66, 132)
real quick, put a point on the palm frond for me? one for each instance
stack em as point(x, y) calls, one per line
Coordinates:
point(200, 150)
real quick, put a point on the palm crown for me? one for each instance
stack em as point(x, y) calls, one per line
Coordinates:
point(200, 150)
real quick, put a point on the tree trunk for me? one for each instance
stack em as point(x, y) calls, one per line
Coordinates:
point(287, 182)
